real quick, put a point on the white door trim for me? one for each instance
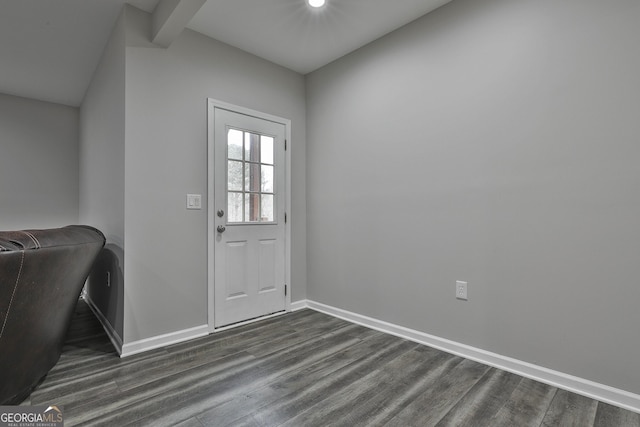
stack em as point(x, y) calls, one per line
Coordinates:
point(212, 104)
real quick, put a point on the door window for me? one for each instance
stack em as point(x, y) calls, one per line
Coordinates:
point(250, 177)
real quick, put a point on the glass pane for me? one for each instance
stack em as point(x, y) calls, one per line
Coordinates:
point(251, 147)
point(234, 207)
point(267, 208)
point(251, 207)
point(251, 177)
point(234, 142)
point(234, 176)
point(267, 179)
point(266, 149)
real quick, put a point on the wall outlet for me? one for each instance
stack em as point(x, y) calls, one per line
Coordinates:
point(461, 290)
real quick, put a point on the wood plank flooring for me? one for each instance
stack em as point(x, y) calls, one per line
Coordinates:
point(299, 369)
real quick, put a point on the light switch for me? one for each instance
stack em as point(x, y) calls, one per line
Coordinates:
point(194, 201)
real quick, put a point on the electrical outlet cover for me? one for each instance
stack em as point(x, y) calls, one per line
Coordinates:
point(461, 290)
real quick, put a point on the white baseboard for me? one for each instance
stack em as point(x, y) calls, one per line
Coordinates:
point(140, 346)
point(116, 340)
point(129, 349)
point(299, 305)
point(601, 392)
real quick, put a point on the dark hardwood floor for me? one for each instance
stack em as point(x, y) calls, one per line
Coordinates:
point(299, 369)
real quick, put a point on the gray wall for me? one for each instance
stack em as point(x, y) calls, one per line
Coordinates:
point(495, 142)
point(102, 177)
point(38, 164)
point(166, 158)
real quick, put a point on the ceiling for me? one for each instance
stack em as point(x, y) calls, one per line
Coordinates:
point(290, 33)
point(49, 49)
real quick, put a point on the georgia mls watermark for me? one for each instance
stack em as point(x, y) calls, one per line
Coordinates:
point(31, 416)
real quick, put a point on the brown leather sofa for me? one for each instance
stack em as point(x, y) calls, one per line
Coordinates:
point(42, 273)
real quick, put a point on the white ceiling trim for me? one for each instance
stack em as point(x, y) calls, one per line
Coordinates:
point(170, 18)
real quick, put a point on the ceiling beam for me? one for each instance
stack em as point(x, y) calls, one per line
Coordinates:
point(170, 18)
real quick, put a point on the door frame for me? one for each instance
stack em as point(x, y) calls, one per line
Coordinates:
point(212, 104)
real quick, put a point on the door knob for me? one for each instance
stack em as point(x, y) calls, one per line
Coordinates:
point(221, 229)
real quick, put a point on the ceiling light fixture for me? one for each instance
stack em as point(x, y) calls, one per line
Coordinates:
point(316, 3)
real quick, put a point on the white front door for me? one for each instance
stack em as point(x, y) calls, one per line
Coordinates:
point(248, 217)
